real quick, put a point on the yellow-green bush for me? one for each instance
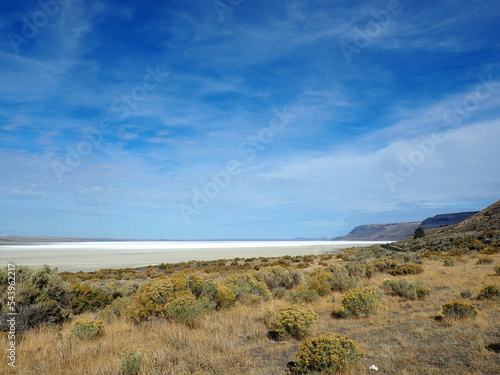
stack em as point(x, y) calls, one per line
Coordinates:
point(131, 362)
point(87, 329)
point(279, 277)
point(459, 310)
point(327, 354)
point(184, 308)
point(489, 292)
point(497, 270)
point(407, 269)
point(85, 298)
point(302, 294)
point(340, 280)
point(360, 302)
point(484, 260)
point(319, 282)
point(296, 321)
point(407, 290)
point(247, 288)
point(224, 296)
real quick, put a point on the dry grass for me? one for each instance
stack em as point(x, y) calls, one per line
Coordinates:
point(404, 338)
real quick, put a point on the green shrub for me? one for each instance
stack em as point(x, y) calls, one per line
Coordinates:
point(497, 270)
point(449, 262)
point(87, 329)
point(407, 290)
point(41, 298)
point(296, 321)
point(489, 292)
point(485, 260)
point(131, 362)
point(407, 269)
point(85, 298)
point(115, 309)
point(280, 277)
point(384, 264)
point(357, 270)
point(326, 354)
point(247, 284)
point(303, 295)
point(319, 282)
point(224, 296)
point(459, 310)
point(467, 293)
point(360, 302)
point(423, 292)
point(340, 279)
point(184, 308)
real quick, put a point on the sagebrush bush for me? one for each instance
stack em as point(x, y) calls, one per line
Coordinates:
point(384, 264)
point(485, 260)
point(87, 329)
point(224, 296)
point(360, 302)
point(85, 298)
point(467, 293)
point(357, 270)
point(280, 277)
point(41, 298)
point(459, 310)
point(295, 321)
point(449, 262)
point(184, 308)
point(407, 269)
point(302, 294)
point(247, 285)
point(497, 270)
point(327, 354)
point(407, 290)
point(131, 362)
point(319, 282)
point(489, 292)
point(340, 279)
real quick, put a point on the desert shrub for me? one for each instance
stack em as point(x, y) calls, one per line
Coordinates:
point(459, 310)
point(407, 269)
point(340, 279)
point(150, 301)
point(467, 293)
point(41, 298)
point(326, 354)
point(485, 260)
point(423, 292)
point(87, 329)
point(384, 264)
point(407, 290)
point(296, 321)
point(360, 302)
point(489, 292)
point(280, 277)
point(357, 270)
point(195, 285)
point(279, 292)
point(449, 262)
point(184, 308)
point(497, 270)
point(224, 296)
point(247, 284)
point(116, 308)
point(319, 282)
point(131, 362)
point(85, 298)
point(303, 295)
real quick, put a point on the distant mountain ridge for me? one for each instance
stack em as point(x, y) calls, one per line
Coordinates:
point(398, 231)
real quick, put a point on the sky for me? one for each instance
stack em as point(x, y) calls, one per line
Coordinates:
point(238, 119)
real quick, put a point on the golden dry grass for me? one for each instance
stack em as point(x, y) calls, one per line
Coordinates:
point(404, 338)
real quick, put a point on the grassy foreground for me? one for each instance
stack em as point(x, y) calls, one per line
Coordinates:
point(404, 337)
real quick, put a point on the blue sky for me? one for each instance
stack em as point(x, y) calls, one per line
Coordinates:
point(244, 119)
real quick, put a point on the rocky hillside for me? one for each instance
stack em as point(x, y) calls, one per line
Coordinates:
point(445, 219)
point(380, 232)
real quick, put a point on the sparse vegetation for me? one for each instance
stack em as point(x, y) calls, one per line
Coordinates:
point(489, 292)
point(459, 310)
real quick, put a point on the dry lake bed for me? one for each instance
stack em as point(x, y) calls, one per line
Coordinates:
point(92, 256)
